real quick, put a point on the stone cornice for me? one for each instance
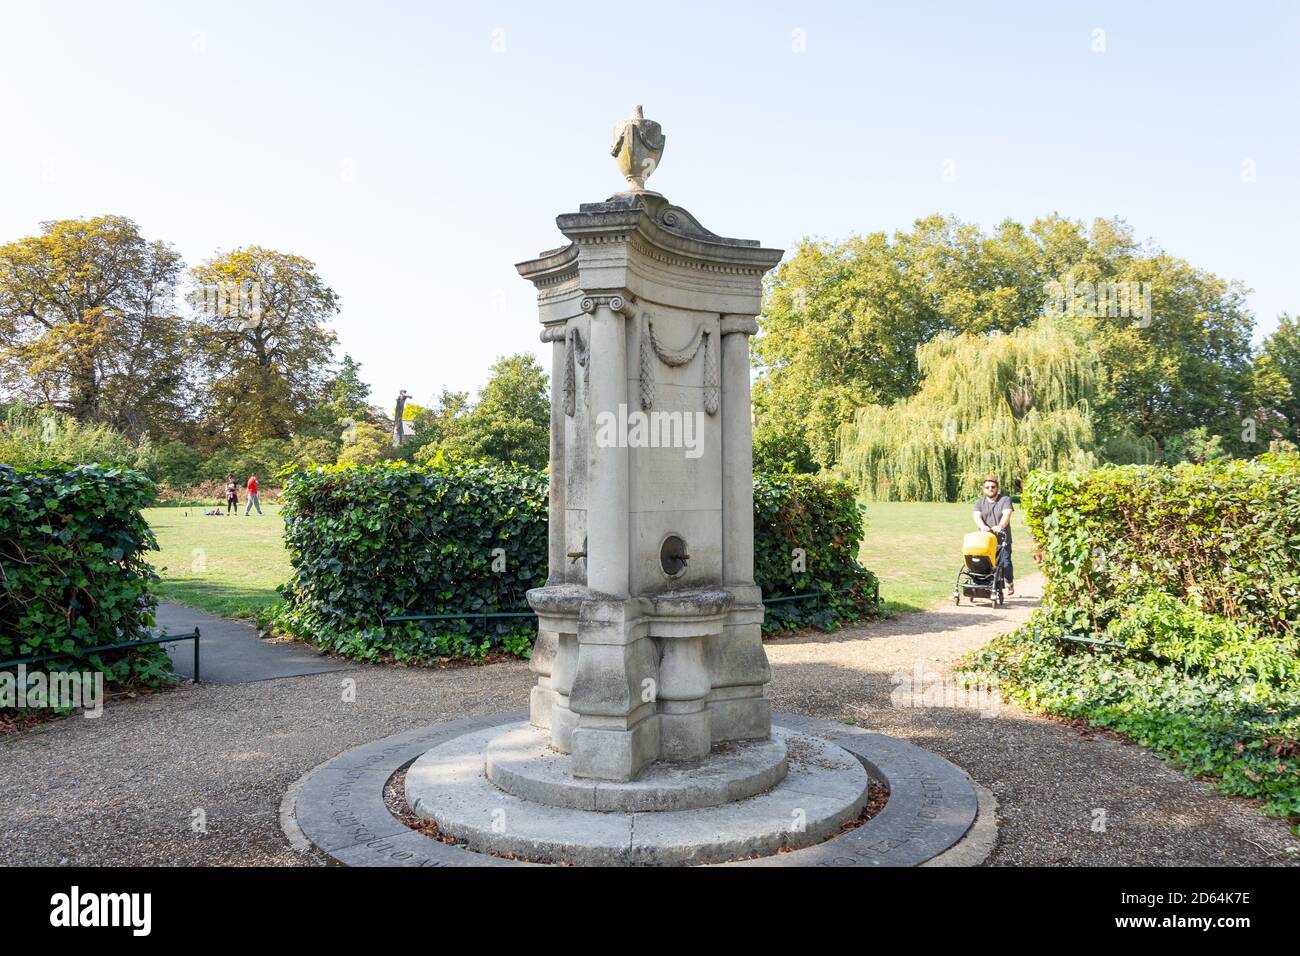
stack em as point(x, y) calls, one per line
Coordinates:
point(653, 228)
point(551, 267)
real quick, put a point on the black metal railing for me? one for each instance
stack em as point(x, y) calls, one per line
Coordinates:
point(124, 645)
point(484, 615)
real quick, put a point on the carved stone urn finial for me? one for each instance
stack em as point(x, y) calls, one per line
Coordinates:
point(638, 144)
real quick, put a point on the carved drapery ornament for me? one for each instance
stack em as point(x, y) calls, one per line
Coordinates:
point(674, 359)
point(575, 354)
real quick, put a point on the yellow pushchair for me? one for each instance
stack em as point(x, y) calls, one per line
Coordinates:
point(981, 576)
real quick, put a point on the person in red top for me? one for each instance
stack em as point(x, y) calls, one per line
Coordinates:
point(253, 501)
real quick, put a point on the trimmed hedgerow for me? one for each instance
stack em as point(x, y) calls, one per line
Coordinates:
point(1226, 536)
point(807, 529)
point(1189, 577)
point(371, 543)
point(72, 552)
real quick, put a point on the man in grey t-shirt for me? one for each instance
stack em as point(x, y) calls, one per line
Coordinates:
point(993, 513)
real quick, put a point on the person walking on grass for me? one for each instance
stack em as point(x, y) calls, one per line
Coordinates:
point(253, 500)
point(993, 514)
point(232, 495)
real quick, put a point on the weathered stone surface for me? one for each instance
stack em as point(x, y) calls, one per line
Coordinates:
point(449, 785)
point(649, 315)
point(519, 762)
point(340, 805)
point(932, 804)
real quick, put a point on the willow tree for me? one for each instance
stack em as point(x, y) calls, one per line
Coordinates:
point(841, 322)
point(1001, 403)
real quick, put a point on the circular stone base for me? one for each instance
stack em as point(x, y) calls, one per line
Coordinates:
point(933, 816)
point(520, 761)
point(824, 787)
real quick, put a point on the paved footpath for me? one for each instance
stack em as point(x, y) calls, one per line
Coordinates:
point(127, 787)
point(230, 652)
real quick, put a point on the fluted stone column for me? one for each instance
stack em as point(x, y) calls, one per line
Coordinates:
point(607, 475)
point(737, 453)
point(556, 504)
point(738, 665)
point(617, 730)
point(542, 661)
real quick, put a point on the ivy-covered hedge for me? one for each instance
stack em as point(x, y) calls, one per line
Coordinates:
point(1189, 577)
point(370, 543)
point(807, 529)
point(72, 549)
point(1225, 536)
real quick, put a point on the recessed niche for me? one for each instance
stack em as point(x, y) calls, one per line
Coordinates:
point(673, 555)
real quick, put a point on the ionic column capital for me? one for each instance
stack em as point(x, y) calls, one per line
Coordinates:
point(619, 302)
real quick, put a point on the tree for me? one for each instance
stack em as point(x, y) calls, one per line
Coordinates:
point(1187, 365)
point(511, 421)
point(1001, 403)
point(87, 324)
point(344, 396)
point(178, 465)
point(434, 426)
point(306, 452)
point(342, 404)
point(365, 444)
point(1194, 445)
point(842, 321)
point(31, 437)
point(264, 343)
point(1280, 358)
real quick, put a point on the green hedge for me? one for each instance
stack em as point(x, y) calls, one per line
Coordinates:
point(369, 543)
point(377, 541)
point(1225, 536)
point(72, 549)
point(1190, 576)
point(820, 516)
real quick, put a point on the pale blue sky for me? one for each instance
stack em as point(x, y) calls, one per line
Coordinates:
point(416, 151)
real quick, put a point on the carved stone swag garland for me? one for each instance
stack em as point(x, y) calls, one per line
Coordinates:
point(576, 354)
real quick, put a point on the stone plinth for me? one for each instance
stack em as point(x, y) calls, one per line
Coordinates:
point(824, 789)
point(521, 762)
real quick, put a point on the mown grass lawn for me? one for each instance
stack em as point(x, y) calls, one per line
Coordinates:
point(228, 566)
point(915, 549)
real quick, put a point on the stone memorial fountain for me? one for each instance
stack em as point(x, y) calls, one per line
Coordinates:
point(649, 645)
point(649, 737)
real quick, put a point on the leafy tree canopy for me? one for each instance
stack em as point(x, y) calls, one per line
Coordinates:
point(263, 341)
point(88, 324)
point(511, 421)
point(1278, 368)
point(1001, 403)
point(842, 322)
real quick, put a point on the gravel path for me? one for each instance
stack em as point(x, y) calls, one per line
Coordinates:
point(127, 788)
point(1054, 784)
